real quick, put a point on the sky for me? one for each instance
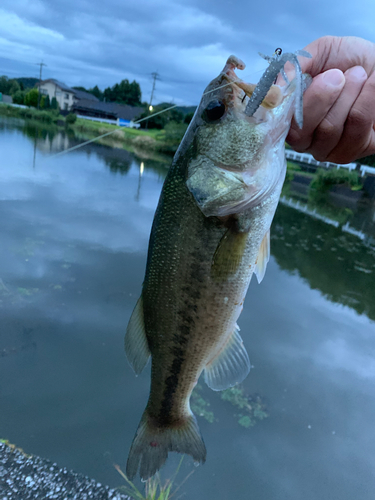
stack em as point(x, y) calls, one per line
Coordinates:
point(187, 42)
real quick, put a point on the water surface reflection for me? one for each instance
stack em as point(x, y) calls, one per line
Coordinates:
point(74, 232)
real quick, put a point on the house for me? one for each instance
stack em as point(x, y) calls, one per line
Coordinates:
point(86, 104)
point(106, 110)
point(65, 96)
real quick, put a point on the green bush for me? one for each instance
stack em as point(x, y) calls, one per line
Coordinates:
point(174, 132)
point(31, 98)
point(19, 97)
point(71, 118)
point(34, 114)
point(324, 179)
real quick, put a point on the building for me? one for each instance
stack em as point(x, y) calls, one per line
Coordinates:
point(87, 105)
point(106, 110)
point(6, 99)
point(66, 97)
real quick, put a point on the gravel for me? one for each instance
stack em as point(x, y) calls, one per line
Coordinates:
point(24, 477)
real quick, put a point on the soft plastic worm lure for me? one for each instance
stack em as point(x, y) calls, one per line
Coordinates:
point(276, 65)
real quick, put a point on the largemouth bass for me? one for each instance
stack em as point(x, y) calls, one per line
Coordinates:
point(210, 234)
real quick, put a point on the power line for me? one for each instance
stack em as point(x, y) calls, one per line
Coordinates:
point(155, 76)
point(41, 64)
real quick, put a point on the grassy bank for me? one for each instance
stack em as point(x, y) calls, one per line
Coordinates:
point(50, 116)
point(164, 141)
point(153, 140)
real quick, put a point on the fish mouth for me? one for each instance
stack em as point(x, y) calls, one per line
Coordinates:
point(274, 97)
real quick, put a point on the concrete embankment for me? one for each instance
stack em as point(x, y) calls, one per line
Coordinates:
point(25, 477)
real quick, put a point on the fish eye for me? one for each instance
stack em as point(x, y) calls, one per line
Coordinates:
point(214, 111)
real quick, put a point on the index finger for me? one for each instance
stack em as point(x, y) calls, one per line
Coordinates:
point(330, 52)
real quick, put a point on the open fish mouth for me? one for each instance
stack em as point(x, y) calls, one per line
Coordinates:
point(266, 93)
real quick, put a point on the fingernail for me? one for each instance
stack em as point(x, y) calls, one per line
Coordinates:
point(334, 77)
point(357, 73)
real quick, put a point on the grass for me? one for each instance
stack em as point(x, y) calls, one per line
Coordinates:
point(154, 488)
point(98, 127)
point(50, 116)
point(324, 179)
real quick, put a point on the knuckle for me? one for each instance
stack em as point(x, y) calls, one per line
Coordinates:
point(358, 118)
point(326, 129)
point(317, 153)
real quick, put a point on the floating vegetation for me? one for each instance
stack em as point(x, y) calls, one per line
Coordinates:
point(252, 406)
point(27, 292)
point(29, 247)
point(200, 406)
point(56, 287)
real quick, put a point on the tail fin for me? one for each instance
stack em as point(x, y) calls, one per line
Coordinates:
point(151, 445)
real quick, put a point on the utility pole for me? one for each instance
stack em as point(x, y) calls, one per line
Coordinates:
point(40, 79)
point(155, 76)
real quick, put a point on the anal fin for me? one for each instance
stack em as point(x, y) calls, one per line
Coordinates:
point(230, 366)
point(136, 346)
point(263, 257)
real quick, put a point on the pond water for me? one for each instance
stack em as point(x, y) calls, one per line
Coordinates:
point(74, 233)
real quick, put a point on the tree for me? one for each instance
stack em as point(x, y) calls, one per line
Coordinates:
point(124, 93)
point(47, 102)
point(160, 121)
point(96, 92)
point(4, 84)
point(188, 118)
point(54, 103)
point(31, 98)
point(19, 97)
point(14, 87)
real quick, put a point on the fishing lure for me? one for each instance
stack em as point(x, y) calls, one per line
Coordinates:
point(276, 66)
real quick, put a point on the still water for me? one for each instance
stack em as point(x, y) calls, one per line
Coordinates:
point(74, 233)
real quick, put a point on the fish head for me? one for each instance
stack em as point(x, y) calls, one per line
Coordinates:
point(237, 159)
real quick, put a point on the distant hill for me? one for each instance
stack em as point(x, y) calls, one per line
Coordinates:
point(185, 110)
point(27, 83)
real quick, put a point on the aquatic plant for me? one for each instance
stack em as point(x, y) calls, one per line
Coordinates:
point(253, 409)
point(154, 488)
point(200, 406)
point(253, 406)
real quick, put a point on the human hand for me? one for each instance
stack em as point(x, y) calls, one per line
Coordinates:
point(339, 105)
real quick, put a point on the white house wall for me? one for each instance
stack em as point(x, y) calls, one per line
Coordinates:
point(64, 98)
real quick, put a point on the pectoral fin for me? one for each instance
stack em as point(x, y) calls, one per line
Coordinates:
point(263, 257)
point(230, 366)
point(228, 255)
point(136, 346)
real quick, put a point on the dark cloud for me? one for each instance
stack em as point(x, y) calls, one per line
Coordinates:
point(187, 42)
